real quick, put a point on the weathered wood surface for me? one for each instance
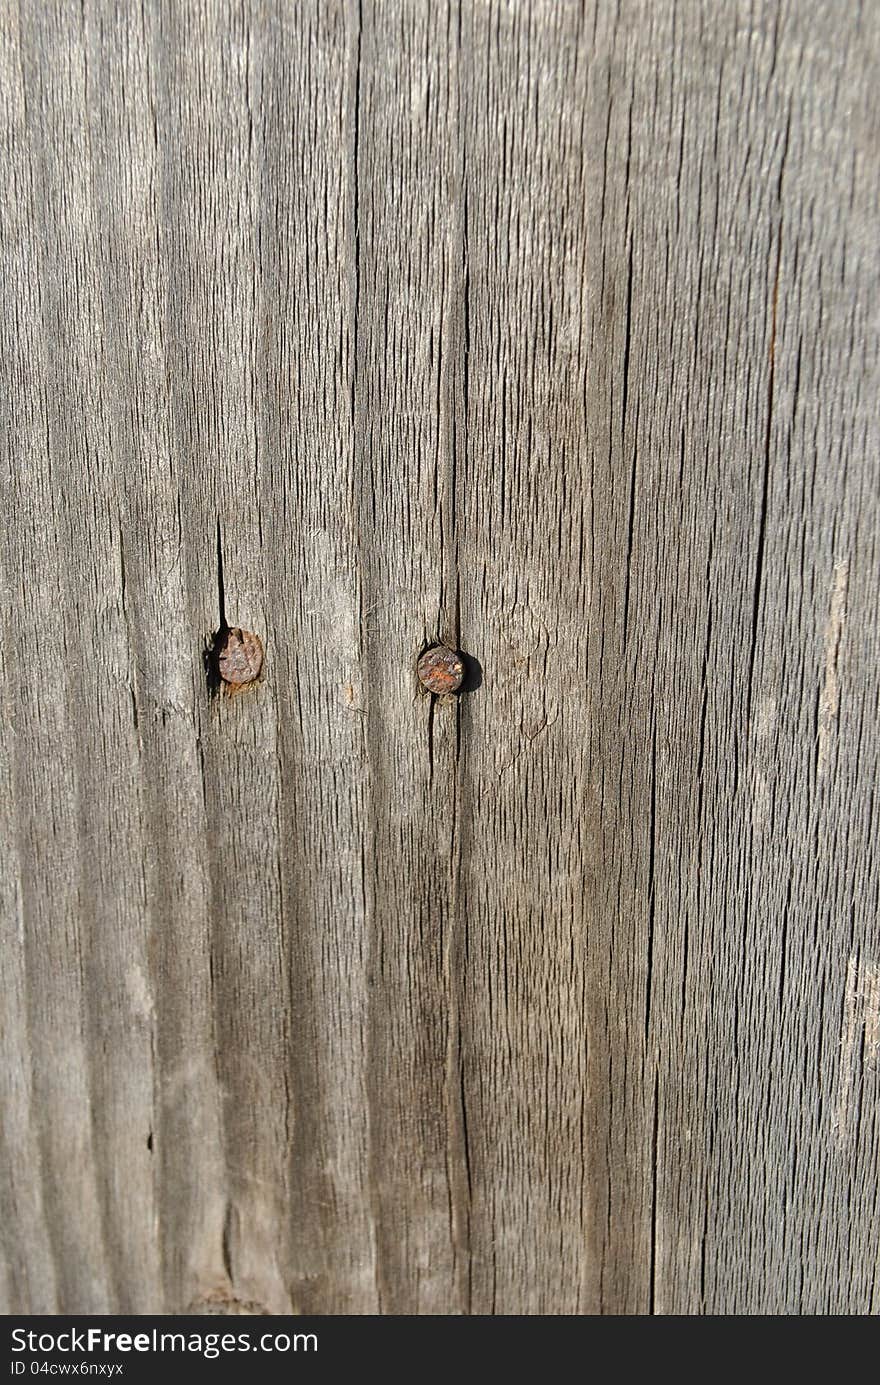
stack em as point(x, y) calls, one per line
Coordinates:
point(551, 331)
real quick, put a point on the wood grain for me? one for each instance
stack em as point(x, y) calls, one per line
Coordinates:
point(550, 332)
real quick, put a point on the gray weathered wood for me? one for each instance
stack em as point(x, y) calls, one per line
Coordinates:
point(550, 331)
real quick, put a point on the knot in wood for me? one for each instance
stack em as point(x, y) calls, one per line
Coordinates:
point(239, 658)
point(441, 670)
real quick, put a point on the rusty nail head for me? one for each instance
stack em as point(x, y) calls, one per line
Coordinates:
point(239, 658)
point(441, 670)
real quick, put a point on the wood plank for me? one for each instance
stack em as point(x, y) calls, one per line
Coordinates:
point(548, 331)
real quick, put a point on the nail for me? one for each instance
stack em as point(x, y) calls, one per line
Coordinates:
point(239, 658)
point(441, 670)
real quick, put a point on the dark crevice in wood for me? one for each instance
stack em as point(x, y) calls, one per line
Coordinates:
point(654, 1134)
point(768, 432)
point(356, 176)
point(202, 774)
point(627, 345)
point(464, 1118)
point(783, 944)
point(211, 663)
point(226, 1240)
point(217, 638)
point(630, 530)
point(432, 704)
point(456, 1074)
point(651, 890)
point(221, 593)
point(458, 764)
point(465, 407)
point(459, 1154)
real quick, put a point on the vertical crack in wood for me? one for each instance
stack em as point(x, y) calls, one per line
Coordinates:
point(226, 1241)
point(768, 434)
point(783, 948)
point(654, 1141)
point(373, 943)
point(455, 958)
point(459, 1171)
point(701, 803)
point(221, 593)
point(432, 705)
point(356, 206)
point(651, 891)
point(627, 345)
